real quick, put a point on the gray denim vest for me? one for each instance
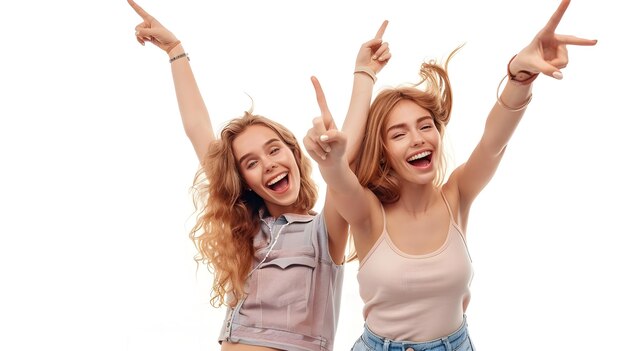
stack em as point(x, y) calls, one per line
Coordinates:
point(294, 288)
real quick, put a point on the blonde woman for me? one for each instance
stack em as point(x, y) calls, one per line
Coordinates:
point(278, 267)
point(408, 222)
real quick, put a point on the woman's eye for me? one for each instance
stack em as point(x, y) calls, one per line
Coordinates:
point(274, 150)
point(251, 164)
point(397, 136)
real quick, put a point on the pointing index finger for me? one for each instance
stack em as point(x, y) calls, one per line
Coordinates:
point(321, 101)
point(381, 30)
point(141, 12)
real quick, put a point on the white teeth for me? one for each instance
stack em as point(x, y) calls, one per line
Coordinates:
point(276, 179)
point(418, 156)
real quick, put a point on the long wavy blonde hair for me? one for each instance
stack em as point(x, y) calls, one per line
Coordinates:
point(371, 166)
point(227, 214)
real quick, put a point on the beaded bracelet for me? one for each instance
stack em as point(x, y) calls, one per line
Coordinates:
point(180, 56)
point(364, 69)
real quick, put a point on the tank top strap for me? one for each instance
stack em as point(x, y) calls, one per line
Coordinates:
point(384, 218)
point(443, 196)
point(453, 222)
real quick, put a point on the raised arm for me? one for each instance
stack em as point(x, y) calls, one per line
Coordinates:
point(373, 55)
point(346, 200)
point(192, 109)
point(341, 150)
point(546, 54)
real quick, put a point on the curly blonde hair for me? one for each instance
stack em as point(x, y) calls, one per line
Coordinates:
point(227, 214)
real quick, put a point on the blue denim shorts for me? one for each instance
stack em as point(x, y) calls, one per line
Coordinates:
point(457, 341)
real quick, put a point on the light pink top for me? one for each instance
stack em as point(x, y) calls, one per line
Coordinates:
point(293, 289)
point(416, 297)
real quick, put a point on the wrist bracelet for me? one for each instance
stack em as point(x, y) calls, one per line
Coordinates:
point(180, 56)
point(507, 107)
point(364, 69)
point(530, 79)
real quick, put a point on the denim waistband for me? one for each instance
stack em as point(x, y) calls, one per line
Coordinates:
point(446, 343)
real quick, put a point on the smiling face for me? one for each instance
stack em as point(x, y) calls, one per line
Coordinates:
point(268, 167)
point(412, 143)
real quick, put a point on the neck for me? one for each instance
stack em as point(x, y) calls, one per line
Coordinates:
point(277, 210)
point(416, 199)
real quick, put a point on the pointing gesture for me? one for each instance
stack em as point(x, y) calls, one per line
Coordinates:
point(547, 52)
point(152, 31)
point(324, 131)
point(374, 53)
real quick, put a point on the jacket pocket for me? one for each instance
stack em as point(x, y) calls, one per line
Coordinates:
point(280, 293)
point(286, 280)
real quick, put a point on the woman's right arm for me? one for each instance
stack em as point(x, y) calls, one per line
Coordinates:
point(193, 111)
point(373, 55)
point(328, 147)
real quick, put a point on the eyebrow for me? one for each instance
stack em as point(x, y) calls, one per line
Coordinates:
point(403, 125)
point(244, 157)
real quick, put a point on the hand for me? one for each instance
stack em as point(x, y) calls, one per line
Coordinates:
point(151, 30)
point(324, 133)
point(547, 52)
point(374, 53)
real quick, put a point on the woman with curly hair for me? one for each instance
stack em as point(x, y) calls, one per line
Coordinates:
point(407, 220)
point(277, 266)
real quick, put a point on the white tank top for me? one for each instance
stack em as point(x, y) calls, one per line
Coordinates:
point(416, 297)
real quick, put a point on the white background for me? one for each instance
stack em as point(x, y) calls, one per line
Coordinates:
point(95, 208)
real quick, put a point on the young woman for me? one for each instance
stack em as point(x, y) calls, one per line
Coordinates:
point(277, 265)
point(408, 222)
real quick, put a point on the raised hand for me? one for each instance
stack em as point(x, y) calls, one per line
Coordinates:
point(374, 53)
point(547, 52)
point(150, 30)
point(323, 141)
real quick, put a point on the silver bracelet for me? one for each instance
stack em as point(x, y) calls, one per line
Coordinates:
point(180, 56)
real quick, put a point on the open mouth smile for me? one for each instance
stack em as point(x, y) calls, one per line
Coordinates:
point(421, 159)
point(280, 183)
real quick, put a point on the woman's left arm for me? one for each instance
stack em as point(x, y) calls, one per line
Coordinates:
point(546, 54)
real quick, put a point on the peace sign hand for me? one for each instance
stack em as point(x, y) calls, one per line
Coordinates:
point(547, 52)
point(151, 30)
point(323, 141)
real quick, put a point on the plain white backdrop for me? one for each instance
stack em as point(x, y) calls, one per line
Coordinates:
point(95, 208)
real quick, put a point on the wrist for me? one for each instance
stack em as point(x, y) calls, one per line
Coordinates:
point(520, 86)
point(176, 52)
point(174, 48)
point(520, 77)
point(366, 71)
point(184, 55)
